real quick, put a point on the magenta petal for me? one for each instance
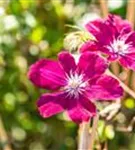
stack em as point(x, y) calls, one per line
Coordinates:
point(51, 104)
point(112, 56)
point(47, 74)
point(105, 88)
point(88, 105)
point(89, 46)
point(119, 23)
point(93, 26)
point(131, 39)
point(67, 61)
point(91, 64)
point(103, 32)
point(77, 112)
point(128, 60)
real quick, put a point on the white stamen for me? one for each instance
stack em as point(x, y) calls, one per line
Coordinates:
point(75, 85)
point(119, 46)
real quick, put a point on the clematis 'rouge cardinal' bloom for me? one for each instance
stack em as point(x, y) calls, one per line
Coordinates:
point(75, 84)
point(115, 38)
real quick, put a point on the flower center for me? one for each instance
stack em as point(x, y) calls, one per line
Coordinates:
point(75, 85)
point(119, 46)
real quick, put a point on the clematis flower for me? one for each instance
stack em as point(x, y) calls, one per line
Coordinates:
point(75, 85)
point(115, 38)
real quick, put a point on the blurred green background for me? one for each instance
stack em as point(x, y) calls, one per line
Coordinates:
point(33, 29)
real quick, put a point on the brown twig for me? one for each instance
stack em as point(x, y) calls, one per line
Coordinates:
point(131, 12)
point(115, 68)
point(132, 80)
point(93, 133)
point(84, 136)
point(103, 8)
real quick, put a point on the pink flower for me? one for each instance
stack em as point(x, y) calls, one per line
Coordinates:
point(75, 85)
point(115, 38)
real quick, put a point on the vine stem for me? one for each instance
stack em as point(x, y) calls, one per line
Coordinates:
point(124, 86)
point(93, 132)
point(104, 8)
point(83, 136)
point(131, 12)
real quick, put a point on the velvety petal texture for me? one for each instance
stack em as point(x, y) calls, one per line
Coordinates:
point(101, 31)
point(128, 61)
point(51, 104)
point(89, 45)
point(81, 109)
point(91, 65)
point(119, 23)
point(74, 85)
point(114, 37)
point(105, 88)
point(47, 74)
point(67, 62)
